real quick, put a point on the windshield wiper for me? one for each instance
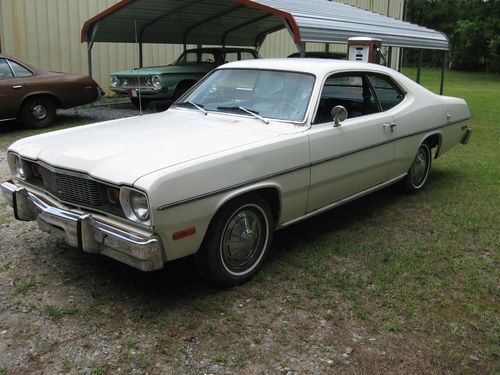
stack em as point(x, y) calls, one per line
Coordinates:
point(249, 111)
point(199, 107)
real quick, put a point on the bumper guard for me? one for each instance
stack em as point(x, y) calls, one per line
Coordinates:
point(84, 231)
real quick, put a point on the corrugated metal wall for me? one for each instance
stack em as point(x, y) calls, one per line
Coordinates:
point(46, 33)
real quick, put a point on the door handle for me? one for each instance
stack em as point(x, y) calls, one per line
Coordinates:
point(17, 87)
point(390, 125)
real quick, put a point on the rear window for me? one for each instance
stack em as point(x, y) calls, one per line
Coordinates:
point(19, 70)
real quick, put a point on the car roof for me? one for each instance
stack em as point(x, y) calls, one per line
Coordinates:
point(324, 67)
point(320, 54)
point(309, 65)
point(31, 67)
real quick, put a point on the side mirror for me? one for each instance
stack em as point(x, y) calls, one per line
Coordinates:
point(339, 114)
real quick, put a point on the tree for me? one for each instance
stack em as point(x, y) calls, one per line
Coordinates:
point(473, 27)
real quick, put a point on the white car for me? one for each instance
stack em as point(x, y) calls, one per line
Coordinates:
point(254, 147)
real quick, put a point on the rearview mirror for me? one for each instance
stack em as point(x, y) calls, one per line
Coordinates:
point(339, 114)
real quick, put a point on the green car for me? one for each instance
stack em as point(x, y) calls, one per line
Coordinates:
point(171, 81)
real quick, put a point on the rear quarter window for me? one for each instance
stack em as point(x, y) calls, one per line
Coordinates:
point(388, 92)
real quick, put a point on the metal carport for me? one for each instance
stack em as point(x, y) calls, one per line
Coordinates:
point(248, 22)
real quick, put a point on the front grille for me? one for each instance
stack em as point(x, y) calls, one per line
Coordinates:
point(75, 189)
point(133, 83)
point(71, 188)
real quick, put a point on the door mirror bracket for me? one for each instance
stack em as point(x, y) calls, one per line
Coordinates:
point(339, 114)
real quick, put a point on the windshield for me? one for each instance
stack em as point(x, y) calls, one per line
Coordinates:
point(265, 93)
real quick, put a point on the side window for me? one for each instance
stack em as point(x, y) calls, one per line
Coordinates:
point(247, 56)
point(19, 70)
point(207, 57)
point(388, 93)
point(189, 57)
point(5, 72)
point(351, 91)
point(231, 56)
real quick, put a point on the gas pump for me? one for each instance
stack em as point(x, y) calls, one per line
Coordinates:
point(365, 49)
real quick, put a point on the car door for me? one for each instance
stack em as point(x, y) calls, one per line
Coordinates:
point(356, 155)
point(11, 91)
point(389, 95)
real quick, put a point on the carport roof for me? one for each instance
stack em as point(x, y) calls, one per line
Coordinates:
point(248, 22)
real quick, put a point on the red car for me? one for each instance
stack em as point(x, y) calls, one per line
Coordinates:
point(33, 95)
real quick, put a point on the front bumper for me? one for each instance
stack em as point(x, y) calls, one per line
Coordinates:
point(85, 231)
point(134, 91)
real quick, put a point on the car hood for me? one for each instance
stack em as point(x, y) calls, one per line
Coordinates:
point(122, 151)
point(167, 69)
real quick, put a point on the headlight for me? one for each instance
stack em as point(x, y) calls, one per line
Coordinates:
point(156, 82)
point(139, 205)
point(125, 82)
point(135, 205)
point(16, 166)
point(115, 82)
point(149, 82)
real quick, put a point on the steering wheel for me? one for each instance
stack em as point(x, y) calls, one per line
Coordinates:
point(209, 61)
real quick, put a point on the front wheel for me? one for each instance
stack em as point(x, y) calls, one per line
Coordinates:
point(38, 112)
point(419, 171)
point(237, 241)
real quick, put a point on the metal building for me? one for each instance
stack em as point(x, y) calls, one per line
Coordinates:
point(47, 33)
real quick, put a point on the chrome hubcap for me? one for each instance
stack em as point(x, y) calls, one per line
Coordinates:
point(243, 241)
point(419, 167)
point(39, 111)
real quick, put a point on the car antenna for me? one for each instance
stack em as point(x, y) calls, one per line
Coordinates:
point(138, 77)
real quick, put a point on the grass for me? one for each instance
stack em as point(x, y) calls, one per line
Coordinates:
point(57, 313)
point(27, 284)
point(100, 370)
point(416, 278)
point(425, 266)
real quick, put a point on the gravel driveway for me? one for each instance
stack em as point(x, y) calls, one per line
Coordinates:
point(63, 311)
point(313, 308)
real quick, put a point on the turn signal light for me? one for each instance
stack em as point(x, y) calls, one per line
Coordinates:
point(37, 170)
point(184, 233)
point(114, 195)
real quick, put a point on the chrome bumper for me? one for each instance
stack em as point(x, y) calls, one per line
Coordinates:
point(84, 231)
point(144, 91)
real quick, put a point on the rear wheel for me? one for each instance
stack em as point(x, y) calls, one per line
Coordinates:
point(38, 112)
point(237, 241)
point(419, 171)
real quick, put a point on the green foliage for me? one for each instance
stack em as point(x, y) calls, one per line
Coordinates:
point(473, 27)
point(100, 370)
point(58, 312)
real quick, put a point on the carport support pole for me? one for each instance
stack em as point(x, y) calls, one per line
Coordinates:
point(419, 66)
point(89, 56)
point(443, 67)
point(400, 61)
point(302, 49)
point(140, 56)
